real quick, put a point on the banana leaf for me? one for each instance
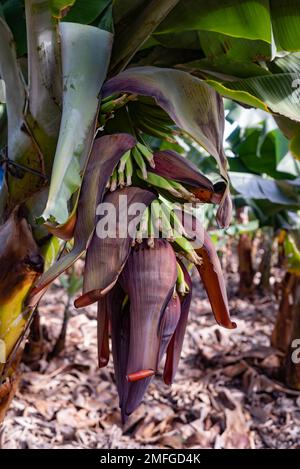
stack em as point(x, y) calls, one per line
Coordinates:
point(264, 154)
point(21, 262)
point(59, 7)
point(86, 12)
point(44, 77)
point(275, 93)
point(286, 24)
point(21, 148)
point(85, 58)
point(248, 19)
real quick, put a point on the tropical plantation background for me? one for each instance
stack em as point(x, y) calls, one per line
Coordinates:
point(139, 342)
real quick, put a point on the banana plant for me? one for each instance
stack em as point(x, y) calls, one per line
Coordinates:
point(85, 88)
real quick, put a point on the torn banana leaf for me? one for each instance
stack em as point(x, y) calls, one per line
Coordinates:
point(193, 105)
point(107, 256)
point(21, 148)
point(85, 54)
point(237, 18)
point(106, 153)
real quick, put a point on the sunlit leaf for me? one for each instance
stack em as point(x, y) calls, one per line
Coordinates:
point(275, 93)
point(223, 68)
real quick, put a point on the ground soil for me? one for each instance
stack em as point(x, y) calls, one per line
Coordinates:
point(228, 391)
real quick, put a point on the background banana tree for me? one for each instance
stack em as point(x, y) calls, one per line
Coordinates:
point(265, 188)
point(85, 88)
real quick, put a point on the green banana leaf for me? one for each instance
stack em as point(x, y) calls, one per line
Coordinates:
point(275, 93)
point(143, 24)
point(265, 154)
point(286, 24)
point(216, 45)
point(249, 19)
